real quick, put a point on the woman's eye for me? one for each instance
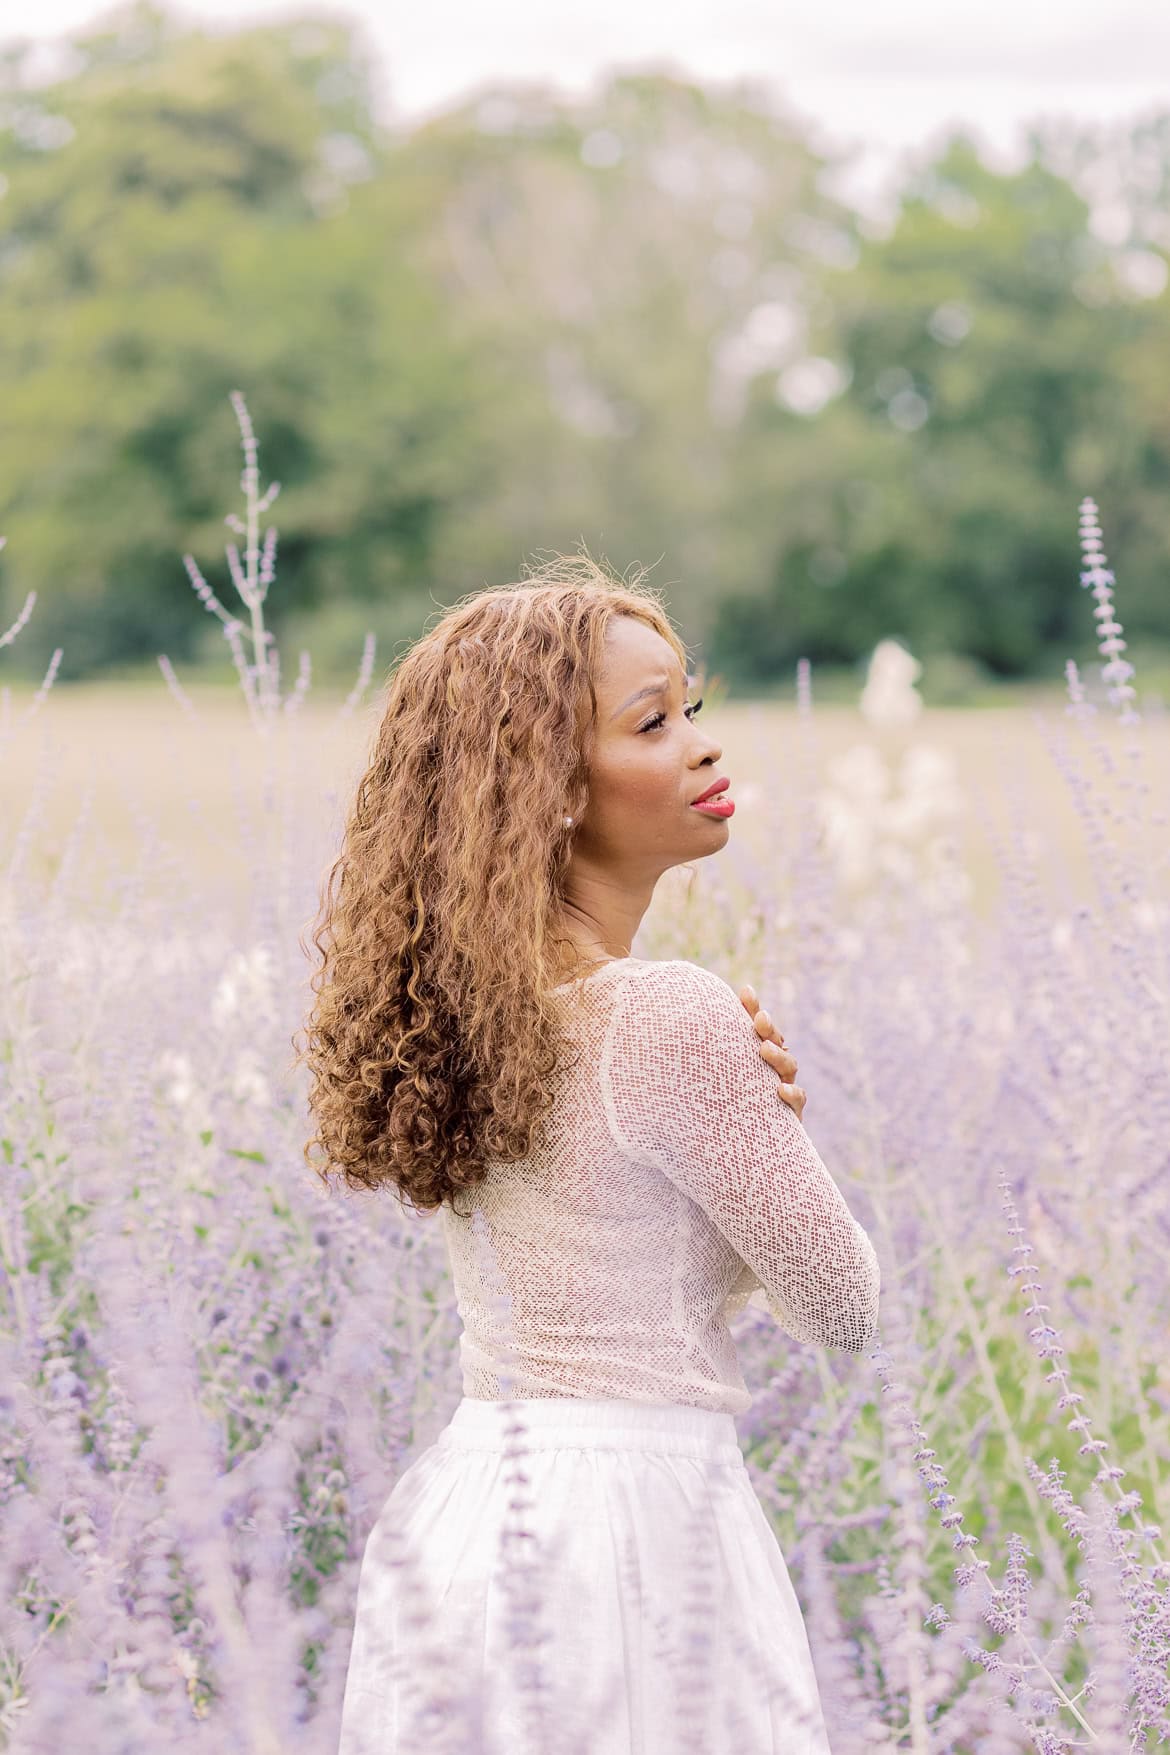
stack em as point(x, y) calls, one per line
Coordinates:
point(658, 719)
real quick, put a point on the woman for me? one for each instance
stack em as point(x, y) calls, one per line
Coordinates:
point(579, 1562)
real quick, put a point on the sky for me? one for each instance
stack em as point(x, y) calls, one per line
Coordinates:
point(886, 80)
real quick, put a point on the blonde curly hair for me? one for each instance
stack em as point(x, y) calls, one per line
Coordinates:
point(433, 1036)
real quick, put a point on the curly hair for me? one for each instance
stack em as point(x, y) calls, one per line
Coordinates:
point(433, 1035)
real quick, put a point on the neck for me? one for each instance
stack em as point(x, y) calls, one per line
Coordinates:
point(597, 920)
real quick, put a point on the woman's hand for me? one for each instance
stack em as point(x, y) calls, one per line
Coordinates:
point(774, 1052)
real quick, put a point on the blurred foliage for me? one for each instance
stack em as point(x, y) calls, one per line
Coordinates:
point(642, 319)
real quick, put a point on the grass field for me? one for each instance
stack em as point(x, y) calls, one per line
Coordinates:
point(147, 762)
point(212, 1374)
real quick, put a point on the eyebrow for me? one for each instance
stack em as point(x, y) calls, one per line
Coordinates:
point(658, 688)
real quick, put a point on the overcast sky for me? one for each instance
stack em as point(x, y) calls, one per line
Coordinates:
point(884, 78)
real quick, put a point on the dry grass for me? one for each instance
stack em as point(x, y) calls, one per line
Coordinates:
point(150, 766)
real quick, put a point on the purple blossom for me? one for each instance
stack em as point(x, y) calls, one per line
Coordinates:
point(211, 1385)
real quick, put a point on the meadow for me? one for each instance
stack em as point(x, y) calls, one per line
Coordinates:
point(211, 1372)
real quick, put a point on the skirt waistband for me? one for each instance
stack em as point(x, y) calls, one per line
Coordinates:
point(580, 1423)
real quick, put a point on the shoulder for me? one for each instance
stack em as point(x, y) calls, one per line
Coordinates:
point(672, 988)
point(681, 1032)
point(667, 972)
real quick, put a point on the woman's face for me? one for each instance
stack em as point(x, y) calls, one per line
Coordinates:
point(651, 759)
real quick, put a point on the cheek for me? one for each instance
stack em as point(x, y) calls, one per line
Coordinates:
point(642, 783)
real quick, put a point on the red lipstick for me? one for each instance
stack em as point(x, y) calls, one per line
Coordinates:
point(710, 804)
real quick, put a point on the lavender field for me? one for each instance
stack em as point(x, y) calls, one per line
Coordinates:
point(212, 1372)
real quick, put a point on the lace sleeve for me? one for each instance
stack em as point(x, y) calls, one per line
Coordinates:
point(687, 1091)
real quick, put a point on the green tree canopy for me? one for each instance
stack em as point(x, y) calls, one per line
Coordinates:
point(641, 318)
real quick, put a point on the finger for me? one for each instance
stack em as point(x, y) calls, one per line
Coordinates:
point(765, 1027)
point(780, 1059)
point(794, 1097)
point(761, 1019)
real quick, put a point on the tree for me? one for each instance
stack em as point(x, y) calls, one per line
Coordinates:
point(187, 214)
point(987, 348)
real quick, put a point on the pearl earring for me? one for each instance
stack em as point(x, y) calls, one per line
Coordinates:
point(568, 822)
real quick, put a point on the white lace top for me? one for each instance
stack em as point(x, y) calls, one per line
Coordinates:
point(668, 1184)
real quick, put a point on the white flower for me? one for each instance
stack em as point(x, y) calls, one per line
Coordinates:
point(248, 1083)
point(870, 824)
point(175, 1070)
point(246, 986)
point(889, 696)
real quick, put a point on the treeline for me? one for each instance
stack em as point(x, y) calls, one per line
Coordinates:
point(644, 320)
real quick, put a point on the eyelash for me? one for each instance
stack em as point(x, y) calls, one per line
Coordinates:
point(652, 724)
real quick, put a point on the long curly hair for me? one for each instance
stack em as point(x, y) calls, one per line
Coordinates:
point(433, 1036)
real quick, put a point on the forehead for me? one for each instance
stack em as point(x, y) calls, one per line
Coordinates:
point(636, 653)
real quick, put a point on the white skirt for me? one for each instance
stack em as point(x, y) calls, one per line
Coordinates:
point(578, 1577)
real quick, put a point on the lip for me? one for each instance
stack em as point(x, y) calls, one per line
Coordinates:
point(719, 785)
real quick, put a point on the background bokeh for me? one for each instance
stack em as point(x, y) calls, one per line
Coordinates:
point(663, 312)
point(768, 303)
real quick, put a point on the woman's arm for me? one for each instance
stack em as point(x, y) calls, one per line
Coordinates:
point(686, 1091)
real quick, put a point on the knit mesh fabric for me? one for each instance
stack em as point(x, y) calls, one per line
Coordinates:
point(668, 1186)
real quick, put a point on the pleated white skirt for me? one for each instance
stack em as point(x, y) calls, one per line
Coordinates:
point(578, 1577)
